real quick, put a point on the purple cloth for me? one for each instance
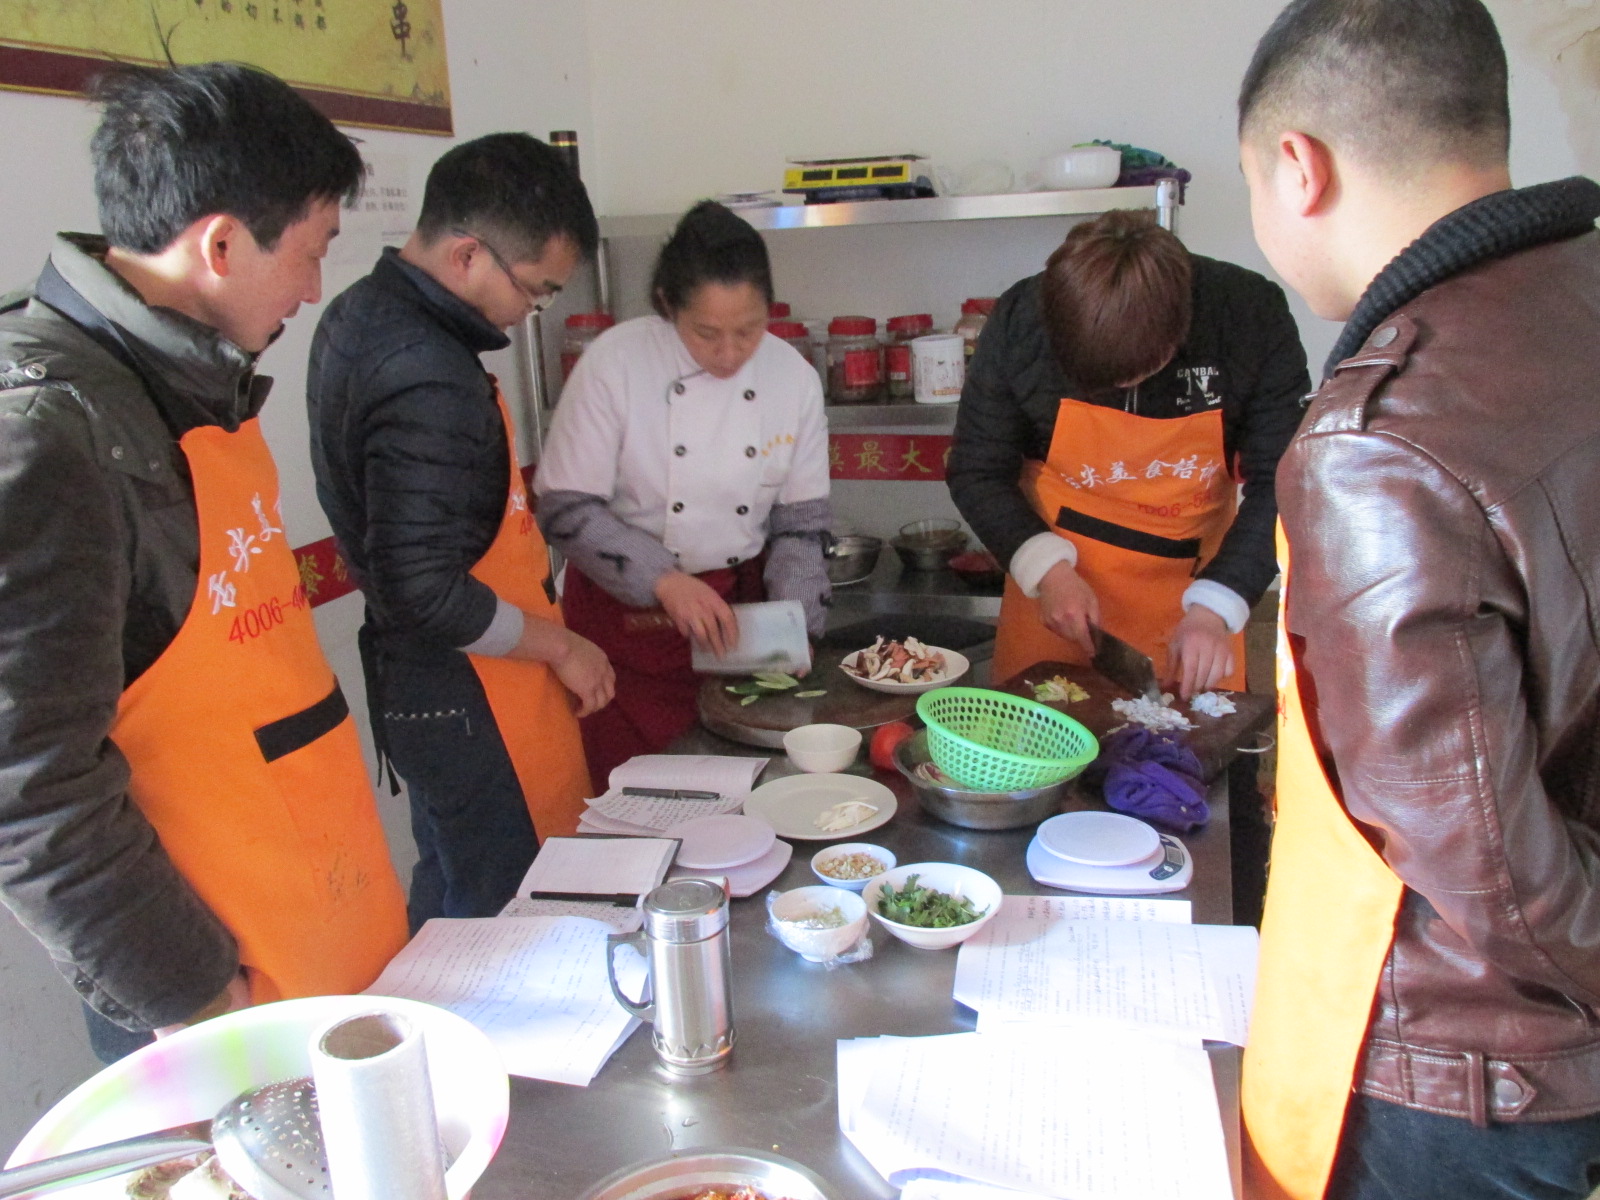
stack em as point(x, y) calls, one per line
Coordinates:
point(1151, 777)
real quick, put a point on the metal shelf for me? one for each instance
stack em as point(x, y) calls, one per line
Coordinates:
point(906, 212)
point(933, 417)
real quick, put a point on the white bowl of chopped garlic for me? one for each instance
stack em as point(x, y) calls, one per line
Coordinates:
point(818, 923)
point(851, 865)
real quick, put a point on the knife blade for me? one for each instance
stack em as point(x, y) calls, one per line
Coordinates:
point(1124, 665)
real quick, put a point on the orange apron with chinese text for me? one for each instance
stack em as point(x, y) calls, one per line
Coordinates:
point(245, 759)
point(532, 709)
point(1146, 502)
point(1319, 966)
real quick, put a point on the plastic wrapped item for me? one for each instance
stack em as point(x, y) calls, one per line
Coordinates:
point(822, 924)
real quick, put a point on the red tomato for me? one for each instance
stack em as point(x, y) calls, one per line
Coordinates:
point(884, 741)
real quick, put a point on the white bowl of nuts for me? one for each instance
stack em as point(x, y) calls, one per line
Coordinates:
point(851, 865)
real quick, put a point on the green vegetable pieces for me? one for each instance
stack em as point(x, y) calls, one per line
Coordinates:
point(764, 683)
point(924, 907)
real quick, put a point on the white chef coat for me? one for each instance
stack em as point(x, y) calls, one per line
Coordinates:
point(695, 461)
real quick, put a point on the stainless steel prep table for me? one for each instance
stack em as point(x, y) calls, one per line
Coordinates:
point(777, 1093)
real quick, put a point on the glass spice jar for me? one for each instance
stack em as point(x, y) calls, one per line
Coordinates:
point(974, 315)
point(795, 334)
point(580, 330)
point(897, 353)
point(855, 361)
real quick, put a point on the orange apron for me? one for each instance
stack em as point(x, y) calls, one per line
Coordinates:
point(1320, 962)
point(1146, 502)
point(244, 757)
point(531, 707)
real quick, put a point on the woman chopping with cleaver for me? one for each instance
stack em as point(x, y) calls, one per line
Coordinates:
point(686, 470)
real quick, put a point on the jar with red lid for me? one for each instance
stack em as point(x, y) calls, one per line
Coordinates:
point(796, 334)
point(897, 353)
point(779, 310)
point(580, 330)
point(855, 361)
point(974, 315)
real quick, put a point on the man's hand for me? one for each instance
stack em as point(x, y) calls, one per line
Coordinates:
point(585, 671)
point(1200, 652)
point(698, 612)
point(1068, 605)
point(232, 998)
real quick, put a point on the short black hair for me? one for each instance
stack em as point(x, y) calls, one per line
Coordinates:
point(181, 143)
point(511, 189)
point(710, 245)
point(1397, 83)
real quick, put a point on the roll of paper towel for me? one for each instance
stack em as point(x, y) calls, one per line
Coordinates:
point(378, 1121)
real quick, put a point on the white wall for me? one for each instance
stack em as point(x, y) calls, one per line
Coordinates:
point(678, 99)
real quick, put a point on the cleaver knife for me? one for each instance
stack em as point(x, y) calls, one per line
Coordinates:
point(1123, 665)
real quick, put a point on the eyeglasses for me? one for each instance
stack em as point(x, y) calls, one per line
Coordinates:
point(539, 300)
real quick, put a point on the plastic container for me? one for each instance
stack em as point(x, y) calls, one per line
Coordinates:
point(974, 315)
point(997, 742)
point(794, 333)
point(581, 329)
point(897, 352)
point(855, 361)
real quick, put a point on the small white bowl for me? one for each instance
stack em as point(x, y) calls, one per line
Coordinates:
point(822, 749)
point(884, 857)
point(1081, 167)
point(950, 878)
point(955, 666)
point(815, 945)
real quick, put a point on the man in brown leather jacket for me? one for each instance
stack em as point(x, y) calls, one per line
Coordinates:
point(1440, 506)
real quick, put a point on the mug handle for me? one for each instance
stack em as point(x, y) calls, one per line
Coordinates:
point(645, 1012)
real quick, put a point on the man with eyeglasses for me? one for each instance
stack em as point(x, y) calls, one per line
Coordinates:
point(473, 680)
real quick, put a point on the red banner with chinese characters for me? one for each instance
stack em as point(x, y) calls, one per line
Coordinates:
point(897, 457)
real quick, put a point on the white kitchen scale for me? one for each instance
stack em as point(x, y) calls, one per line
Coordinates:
point(1107, 854)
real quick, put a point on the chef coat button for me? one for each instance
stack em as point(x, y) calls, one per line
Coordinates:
point(1384, 336)
point(733, 562)
point(35, 371)
point(1508, 1093)
point(680, 451)
point(749, 451)
point(155, 464)
point(677, 506)
point(117, 452)
point(749, 393)
point(679, 389)
point(742, 509)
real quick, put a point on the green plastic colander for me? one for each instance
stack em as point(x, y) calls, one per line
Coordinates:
point(997, 742)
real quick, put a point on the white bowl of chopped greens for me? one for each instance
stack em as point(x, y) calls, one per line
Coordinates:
point(933, 906)
point(818, 922)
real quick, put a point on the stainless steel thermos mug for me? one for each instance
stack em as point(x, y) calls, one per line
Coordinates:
point(685, 944)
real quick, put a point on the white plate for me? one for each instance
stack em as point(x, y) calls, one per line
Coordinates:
point(955, 666)
point(1098, 839)
point(792, 804)
point(716, 843)
point(747, 878)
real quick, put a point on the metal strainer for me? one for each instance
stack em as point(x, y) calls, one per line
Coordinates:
point(269, 1140)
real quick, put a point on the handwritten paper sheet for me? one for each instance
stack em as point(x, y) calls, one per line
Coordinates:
point(1036, 963)
point(536, 985)
point(725, 774)
point(611, 866)
point(652, 814)
point(1092, 1116)
point(615, 917)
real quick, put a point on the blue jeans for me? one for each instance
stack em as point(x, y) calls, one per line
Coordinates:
point(1394, 1153)
point(474, 836)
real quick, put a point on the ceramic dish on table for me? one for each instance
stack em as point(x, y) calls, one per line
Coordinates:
point(791, 805)
point(951, 878)
point(955, 666)
point(691, 1171)
point(822, 749)
point(884, 859)
point(794, 915)
point(189, 1076)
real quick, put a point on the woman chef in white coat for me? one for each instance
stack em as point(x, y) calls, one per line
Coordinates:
point(686, 469)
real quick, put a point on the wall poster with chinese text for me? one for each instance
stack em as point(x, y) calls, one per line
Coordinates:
point(362, 62)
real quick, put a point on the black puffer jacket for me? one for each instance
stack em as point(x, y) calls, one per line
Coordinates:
point(1243, 353)
point(410, 455)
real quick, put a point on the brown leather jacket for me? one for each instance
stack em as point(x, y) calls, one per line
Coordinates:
point(1443, 506)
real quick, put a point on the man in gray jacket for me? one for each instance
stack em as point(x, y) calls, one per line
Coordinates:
point(149, 763)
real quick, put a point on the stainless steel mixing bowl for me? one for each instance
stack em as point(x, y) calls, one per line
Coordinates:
point(681, 1175)
point(975, 810)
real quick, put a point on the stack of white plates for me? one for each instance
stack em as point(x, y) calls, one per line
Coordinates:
point(1107, 854)
point(744, 850)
